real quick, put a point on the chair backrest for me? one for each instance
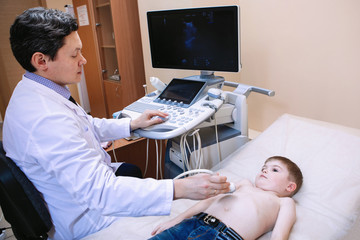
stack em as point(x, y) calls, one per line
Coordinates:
point(22, 205)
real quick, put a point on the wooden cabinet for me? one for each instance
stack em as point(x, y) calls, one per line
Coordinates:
point(135, 152)
point(115, 96)
point(112, 47)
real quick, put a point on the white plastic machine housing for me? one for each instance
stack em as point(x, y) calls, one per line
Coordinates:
point(183, 116)
point(231, 115)
point(230, 108)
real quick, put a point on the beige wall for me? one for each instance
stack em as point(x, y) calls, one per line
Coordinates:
point(307, 51)
point(58, 4)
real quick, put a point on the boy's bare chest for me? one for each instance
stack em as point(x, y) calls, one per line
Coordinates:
point(248, 212)
point(249, 201)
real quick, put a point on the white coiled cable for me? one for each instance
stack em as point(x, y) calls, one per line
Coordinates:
point(185, 148)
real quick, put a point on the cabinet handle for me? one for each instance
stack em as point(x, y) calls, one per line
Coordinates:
point(116, 92)
point(104, 71)
point(98, 24)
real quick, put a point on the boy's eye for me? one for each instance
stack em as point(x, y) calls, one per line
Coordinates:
point(275, 170)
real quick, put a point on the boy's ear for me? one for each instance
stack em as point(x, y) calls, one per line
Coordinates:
point(39, 61)
point(291, 187)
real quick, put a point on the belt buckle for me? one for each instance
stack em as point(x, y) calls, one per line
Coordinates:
point(210, 220)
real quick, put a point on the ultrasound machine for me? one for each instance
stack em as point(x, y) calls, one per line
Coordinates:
point(205, 123)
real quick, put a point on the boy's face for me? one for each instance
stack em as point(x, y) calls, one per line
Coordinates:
point(66, 67)
point(274, 176)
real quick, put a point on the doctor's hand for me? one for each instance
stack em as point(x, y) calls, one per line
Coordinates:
point(147, 119)
point(200, 186)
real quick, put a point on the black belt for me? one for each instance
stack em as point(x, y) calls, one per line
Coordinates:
point(214, 222)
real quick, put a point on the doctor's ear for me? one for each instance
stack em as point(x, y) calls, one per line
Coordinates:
point(39, 61)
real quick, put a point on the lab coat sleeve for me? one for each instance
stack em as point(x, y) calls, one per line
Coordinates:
point(110, 129)
point(66, 152)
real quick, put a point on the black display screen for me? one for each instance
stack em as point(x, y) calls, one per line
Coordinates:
point(196, 38)
point(181, 90)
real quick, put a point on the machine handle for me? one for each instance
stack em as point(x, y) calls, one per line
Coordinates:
point(247, 89)
point(264, 91)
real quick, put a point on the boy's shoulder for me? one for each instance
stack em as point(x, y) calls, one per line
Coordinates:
point(287, 201)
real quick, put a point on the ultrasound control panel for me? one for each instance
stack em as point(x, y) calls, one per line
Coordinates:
point(185, 101)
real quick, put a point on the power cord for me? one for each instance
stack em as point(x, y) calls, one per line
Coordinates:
point(217, 140)
point(185, 148)
point(158, 154)
point(147, 156)
point(113, 150)
point(193, 172)
point(216, 127)
point(197, 152)
point(158, 158)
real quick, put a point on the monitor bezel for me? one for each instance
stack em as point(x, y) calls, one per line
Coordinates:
point(234, 8)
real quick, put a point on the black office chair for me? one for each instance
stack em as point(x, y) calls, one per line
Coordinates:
point(22, 205)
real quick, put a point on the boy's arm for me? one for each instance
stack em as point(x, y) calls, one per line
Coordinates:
point(197, 208)
point(285, 220)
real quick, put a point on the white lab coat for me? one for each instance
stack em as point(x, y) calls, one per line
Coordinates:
point(57, 145)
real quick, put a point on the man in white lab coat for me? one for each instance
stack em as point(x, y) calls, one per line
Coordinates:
point(57, 145)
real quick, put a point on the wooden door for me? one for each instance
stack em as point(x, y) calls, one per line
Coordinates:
point(10, 69)
point(92, 68)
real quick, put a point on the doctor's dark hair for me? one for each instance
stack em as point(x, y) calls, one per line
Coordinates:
point(295, 173)
point(39, 30)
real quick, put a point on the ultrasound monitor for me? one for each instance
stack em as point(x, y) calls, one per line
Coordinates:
point(205, 39)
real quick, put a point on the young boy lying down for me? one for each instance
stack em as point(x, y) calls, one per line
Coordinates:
point(248, 213)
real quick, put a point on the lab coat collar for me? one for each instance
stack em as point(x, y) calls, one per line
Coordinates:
point(50, 93)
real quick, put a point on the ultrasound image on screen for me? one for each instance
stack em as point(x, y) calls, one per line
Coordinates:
point(197, 39)
point(182, 90)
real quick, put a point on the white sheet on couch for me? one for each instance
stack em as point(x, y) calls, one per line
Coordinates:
point(327, 204)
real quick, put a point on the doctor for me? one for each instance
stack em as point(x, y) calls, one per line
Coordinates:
point(57, 145)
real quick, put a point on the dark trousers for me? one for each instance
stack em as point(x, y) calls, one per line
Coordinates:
point(128, 169)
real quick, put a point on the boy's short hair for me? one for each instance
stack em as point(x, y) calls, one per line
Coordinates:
point(39, 30)
point(295, 173)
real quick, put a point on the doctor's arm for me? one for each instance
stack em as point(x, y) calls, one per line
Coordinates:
point(111, 129)
point(147, 119)
point(200, 186)
point(78, 166)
